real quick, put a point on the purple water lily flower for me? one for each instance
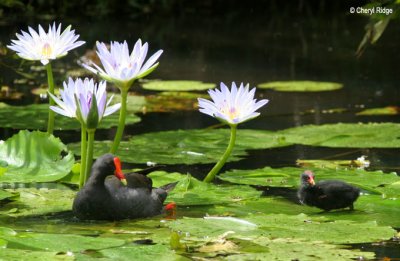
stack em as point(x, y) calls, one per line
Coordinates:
point(232, 106)
point(77, 99)
point(44, 46)
point(121, 67)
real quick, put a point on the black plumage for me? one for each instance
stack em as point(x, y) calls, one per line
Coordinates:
point(327, 194)
point(105, 197)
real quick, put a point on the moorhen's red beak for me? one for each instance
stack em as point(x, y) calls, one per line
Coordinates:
point(118, 171)
point(170, 209)
point(311, 180)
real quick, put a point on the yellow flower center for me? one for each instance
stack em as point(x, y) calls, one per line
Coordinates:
point(231, 112)
point(46, 50)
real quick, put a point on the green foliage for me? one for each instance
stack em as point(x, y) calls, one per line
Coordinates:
point(301, 86)
point(34, 157)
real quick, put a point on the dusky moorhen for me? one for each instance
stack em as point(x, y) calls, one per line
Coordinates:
point(327, 194)
point(105, 197)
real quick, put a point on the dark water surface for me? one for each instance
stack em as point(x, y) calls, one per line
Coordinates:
point(245, 48)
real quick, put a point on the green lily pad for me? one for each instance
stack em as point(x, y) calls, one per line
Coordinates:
point(346, 135)
point(58, 242)
point(28, 255)
point(190, 191)
point(177, 85)
point(172, 101)
point(389, 110)
point(187, 146)
point(8, 195)
point(34, 157)
point(287, 226)
point(34, 202)
point(35, 117)
point(134, 103)
point(143, 252)
point(301, 86)
point(297, 249)
point(331, 164)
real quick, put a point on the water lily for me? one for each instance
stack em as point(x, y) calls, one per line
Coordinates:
point(87, 102)
point(44, 47)
point(123, 68)
point(231, 107)
point(76, 100)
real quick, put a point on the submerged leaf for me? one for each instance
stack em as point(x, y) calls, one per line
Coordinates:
point(34, 157)
point(301, 86)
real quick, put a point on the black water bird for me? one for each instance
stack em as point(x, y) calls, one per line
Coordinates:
point(327, 194)
point(111, 195)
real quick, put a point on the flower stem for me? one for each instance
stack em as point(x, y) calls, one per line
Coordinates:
point(89, 155)
point(50, 82)
point(121, 123)
point(83, 157)
point(214, 171)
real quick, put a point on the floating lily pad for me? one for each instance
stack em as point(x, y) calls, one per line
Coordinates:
point(332, 164)
point(346, 135)
point(143, 252)
point(301, 86)
point(190, 191)
point(287, 226)
point(172, 101)
point(8, 195)
point(187, 146)
point(297, 249)
point(58, 242)
point(35, 117)
point(28, 255)
point(134, 103)
point(34, 157)
point(390, 110)
point(33, 202)
point(177, 85)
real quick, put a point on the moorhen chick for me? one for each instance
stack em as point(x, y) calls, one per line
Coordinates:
point(327, 194)
point(110, 195)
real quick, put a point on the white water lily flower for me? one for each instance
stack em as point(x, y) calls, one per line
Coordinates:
point(234, 106)
point(82, 91)
point(45, 46)
point(121, 67)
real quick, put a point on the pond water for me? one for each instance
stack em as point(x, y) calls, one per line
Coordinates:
point(241, 48)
